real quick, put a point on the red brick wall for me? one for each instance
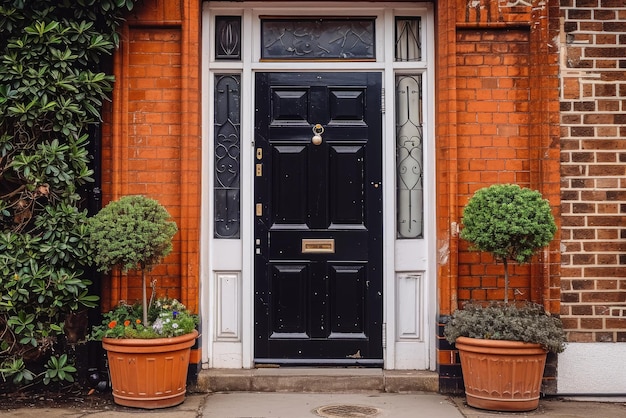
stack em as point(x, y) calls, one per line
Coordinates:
point(593, 169)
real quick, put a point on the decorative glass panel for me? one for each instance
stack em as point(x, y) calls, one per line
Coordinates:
point(318, 39)
point(409, 156)
point(408, 40)
point(228, 37)
point(227, 155)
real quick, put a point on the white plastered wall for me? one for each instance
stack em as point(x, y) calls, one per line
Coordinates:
point(592, 369)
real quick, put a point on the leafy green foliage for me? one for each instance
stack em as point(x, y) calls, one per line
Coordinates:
point(134, 232)
point(508, 221)
point(58, 369)
point(16, 369)
point(527, 323)
point(52, 88)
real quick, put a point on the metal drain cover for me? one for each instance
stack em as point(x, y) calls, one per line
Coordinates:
point(346, 411)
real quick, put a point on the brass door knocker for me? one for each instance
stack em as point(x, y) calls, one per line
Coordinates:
point(318, 130)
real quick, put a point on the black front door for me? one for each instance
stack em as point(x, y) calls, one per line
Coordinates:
point(318, 219)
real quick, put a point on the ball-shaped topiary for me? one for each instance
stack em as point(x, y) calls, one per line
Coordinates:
point(134, 232)
point(508, 221)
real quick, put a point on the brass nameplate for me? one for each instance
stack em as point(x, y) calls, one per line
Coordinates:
point(318, 245)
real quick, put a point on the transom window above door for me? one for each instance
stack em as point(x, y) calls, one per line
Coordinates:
point(323, 38)
point(317, 38)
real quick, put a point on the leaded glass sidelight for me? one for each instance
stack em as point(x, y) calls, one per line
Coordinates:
point(408, 39)
point(318, 39)
point(228, 37)
point(409, 156)
point(227, 155)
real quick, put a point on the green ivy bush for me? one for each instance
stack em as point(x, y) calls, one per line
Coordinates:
point(51, 92)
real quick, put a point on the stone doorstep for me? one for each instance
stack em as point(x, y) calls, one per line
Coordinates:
point(320, 380)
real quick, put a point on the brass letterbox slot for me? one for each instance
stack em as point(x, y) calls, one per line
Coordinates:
point(314, 245)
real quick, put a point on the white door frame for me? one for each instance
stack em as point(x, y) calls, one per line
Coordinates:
point(226, 266)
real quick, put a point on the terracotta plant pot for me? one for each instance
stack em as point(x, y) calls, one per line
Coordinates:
point(501, 375)
point(149, 373)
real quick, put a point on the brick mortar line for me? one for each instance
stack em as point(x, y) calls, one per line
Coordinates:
point(587, 42)
point(566, 8)
point(595, 278)
point(619, 304)
point(592, 201)
point(587, 252)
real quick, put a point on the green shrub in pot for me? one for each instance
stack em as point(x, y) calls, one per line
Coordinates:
point(133, 232)
point(511, 223)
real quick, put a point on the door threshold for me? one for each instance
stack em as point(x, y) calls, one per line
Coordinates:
point(314, 363)
point(317, 379)
point(318, 371)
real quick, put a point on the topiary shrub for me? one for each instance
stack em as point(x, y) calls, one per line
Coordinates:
point(511, 223)
point(508, 221)
point(134, 232)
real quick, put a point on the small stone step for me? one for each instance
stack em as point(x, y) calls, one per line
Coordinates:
point(318, 380)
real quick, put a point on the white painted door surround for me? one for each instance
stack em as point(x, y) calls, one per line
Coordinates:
point(227, 271)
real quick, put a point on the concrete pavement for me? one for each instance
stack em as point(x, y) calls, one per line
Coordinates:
point(329, 405)
point(272, 405)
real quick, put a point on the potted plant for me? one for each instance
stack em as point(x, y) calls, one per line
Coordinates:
point(503, 346)
point(148, 344)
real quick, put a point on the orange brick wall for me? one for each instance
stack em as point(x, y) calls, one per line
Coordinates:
point(493, 141)
point(593, 127)
point(151, 145)
point(497, 109)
